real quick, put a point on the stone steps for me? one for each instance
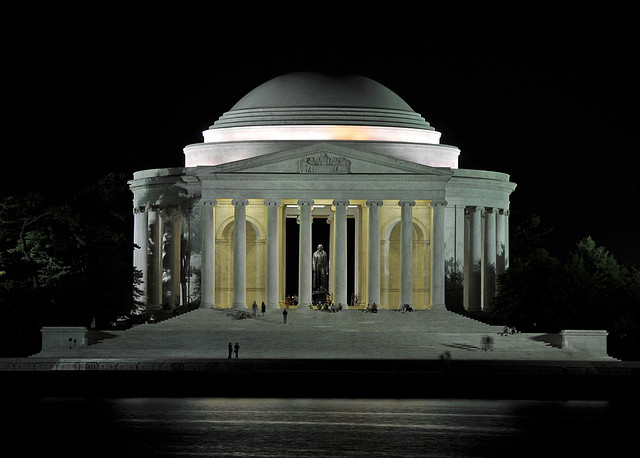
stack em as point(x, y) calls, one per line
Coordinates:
point(205, 333)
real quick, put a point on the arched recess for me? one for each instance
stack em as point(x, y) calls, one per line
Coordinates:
point(255, 277)
point(390, 264)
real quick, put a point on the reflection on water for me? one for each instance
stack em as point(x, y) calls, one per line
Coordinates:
point(317, 427)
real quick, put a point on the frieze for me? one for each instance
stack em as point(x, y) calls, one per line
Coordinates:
point(322, 163)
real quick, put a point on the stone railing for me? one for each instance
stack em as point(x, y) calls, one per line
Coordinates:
point(59, 337)
point(592, 342)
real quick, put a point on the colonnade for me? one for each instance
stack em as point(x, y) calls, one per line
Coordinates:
point(157, 233)
point(485, 256)
point(306, 251)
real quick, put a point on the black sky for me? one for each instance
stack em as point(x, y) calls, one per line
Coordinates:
point(549, 99)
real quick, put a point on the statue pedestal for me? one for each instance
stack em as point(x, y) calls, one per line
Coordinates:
point(319, 297)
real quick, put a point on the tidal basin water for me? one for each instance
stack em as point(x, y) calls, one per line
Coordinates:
point(317, 427)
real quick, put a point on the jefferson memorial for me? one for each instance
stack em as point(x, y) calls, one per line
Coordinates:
point(312, 169)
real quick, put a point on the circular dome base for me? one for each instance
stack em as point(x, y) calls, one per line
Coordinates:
point(321, 132)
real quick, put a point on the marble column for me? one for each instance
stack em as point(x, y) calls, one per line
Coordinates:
point(305, 254)
point(177, 256)
point(473, 261)
point(489, 264)
point(373, 292)
point(437, 255)
point(171, 257)
point(208, 261)
point(141, 252)
point(406, 252)
point(240, 254)
point(154, 288)
point(340, 253)
point(272, 269)
point(506, 239)
point(500, 242)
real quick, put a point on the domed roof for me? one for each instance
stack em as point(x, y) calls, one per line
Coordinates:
point(305, 98)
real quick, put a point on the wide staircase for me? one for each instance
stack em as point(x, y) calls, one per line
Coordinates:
point(310, 334)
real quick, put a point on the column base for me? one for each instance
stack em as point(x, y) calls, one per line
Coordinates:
point(239, 307)
point(154, 307)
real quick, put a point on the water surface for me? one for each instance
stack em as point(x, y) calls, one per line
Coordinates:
point(318, 427)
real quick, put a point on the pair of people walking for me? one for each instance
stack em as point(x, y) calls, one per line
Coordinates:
point(254, 307)
point(233, 349)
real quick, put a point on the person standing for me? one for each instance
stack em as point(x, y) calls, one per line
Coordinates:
point(236, 348)
point(230, 350)
point(284, 315)
point(263, 308)
point(254, 307)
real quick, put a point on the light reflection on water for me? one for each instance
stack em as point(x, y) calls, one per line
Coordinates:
point(323, 427)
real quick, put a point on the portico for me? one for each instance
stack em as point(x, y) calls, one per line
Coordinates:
point(376, 204)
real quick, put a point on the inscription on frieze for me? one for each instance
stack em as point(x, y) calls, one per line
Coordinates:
point(323, 163)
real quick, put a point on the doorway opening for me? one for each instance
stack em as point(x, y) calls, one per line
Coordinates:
point(320, 235)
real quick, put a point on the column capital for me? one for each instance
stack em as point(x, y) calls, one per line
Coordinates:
point(438, 203)
point(140, 209)
point(305, 202)
point(373, 203)
point(212, 202)
point(410, 203)
point(472, 208)
point(489, 209)
point(166, 212)
point(343, 202)
point(272, 202)
point(237, 202)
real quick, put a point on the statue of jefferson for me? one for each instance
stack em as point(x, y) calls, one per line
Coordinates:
point(320, 270)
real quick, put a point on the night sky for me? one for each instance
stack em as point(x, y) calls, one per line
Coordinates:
point(545, 98)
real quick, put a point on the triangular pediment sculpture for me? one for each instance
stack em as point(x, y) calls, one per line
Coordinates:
point(327, 158)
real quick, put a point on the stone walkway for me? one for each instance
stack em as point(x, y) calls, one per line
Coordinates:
point(353, 334)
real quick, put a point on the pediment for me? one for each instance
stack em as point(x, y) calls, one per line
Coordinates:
point(326, 158)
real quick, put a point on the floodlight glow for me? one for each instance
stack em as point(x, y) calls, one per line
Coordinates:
point(321, 132)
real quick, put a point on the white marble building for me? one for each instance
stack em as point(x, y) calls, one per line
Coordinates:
point(316, 149)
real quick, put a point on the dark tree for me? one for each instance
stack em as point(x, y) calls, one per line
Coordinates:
point(588, 290)
point(67, 261)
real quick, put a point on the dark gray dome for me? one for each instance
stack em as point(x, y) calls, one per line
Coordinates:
point(305, 98)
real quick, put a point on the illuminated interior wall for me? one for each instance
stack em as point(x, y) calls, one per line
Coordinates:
point(256, 252)
point(390, 262)
point(390, 249)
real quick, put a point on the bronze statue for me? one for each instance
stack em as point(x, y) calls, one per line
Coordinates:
point(320, 270)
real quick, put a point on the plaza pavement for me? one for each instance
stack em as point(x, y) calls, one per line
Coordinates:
point(204, 333)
